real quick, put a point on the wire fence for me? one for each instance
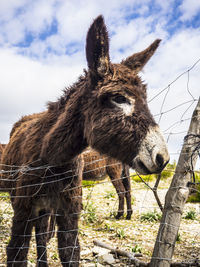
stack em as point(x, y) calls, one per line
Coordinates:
point(101, 201)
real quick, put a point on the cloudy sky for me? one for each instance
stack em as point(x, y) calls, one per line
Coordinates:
point(42, 50)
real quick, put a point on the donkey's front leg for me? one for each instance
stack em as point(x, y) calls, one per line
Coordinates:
point(18, 246)
point(68, 243)
point(127, 185)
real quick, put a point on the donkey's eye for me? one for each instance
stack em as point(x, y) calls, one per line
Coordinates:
point(120, 99)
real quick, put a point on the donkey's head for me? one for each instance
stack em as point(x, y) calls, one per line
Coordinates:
point(117, 118)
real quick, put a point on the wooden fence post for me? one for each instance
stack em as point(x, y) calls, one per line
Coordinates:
point(176, 197)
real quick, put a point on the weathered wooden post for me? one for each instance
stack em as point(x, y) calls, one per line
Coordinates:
point(176, 197)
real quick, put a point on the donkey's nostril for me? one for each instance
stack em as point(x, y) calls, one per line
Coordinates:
point(160, 160)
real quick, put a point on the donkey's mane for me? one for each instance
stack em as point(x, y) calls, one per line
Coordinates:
point(67, 93)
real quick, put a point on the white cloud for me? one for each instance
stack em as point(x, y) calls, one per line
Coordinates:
point(165, 7)
point(174, 56)
point(38, 16)
point(26, 85)
point(25, 17)
point(29, 81)
point(8, 8)
point(189, 9)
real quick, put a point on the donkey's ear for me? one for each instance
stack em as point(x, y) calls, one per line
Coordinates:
point(137, 61)
point(97, 48)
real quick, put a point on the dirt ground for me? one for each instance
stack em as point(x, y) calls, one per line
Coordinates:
point(97, 222)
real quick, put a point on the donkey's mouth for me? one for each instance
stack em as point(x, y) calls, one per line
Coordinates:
point(143, 169)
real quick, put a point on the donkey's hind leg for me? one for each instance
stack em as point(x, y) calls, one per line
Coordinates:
point(42, 235)
point(114, 173)
point(68, 243)
point(127, 185)
point(119, 187)
point(18, 246)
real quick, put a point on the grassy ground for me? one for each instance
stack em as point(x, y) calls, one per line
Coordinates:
point(97, 222)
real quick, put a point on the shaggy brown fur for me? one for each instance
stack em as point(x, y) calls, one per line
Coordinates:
point(2, 146)
point(98, 166)
point(47, 145)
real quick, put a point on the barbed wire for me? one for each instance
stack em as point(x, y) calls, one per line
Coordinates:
point(15, 172)
point(176, 79)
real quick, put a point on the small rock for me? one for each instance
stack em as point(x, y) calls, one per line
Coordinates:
point(91, 265)
point(99, 251)
point(106, 258)
point(29, 264)
point(86, 252)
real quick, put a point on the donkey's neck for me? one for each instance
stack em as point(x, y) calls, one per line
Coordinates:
point(65, 140)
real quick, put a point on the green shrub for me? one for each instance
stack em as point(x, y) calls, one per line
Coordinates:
point(55, 256)
point(109, 195)
point(146, 178)
point(88, 183)
point(195, 197)
point(197, 176)
point(169, 170)
point(166, 174)
point(120, 233)
point(113, 214)
point(108, 228)
point(5, 196)
point(151, 216)
point(136, 249)
point(191, 215)
point(90, 213)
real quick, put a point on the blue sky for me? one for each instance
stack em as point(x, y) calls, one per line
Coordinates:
point(173, 17)
point(42, 50)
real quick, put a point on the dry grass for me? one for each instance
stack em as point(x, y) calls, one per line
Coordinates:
point(97, 222)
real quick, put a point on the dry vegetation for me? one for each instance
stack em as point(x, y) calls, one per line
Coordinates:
point(97, 222)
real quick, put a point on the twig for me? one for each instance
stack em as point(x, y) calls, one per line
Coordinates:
point(154, 189)
point(132, 256)
point(155, 192)
point(119, 252)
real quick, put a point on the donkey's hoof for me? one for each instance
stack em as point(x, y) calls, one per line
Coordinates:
point(128, 217)
point(118, 216)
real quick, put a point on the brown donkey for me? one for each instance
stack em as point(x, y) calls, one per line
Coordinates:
point(98, 166)
point(105, 109)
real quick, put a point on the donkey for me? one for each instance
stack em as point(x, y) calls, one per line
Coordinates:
point(105, 109)
point(98, 166)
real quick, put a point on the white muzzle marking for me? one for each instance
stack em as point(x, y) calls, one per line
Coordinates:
point(153, 153)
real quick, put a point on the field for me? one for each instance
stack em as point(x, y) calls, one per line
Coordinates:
point(97, 222)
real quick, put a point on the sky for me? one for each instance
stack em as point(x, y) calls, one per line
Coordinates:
point(42, 50)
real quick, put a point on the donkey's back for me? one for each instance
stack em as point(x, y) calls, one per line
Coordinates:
point(97, 166)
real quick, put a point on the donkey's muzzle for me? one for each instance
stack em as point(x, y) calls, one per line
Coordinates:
point(143, 169)
point(153, 154)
